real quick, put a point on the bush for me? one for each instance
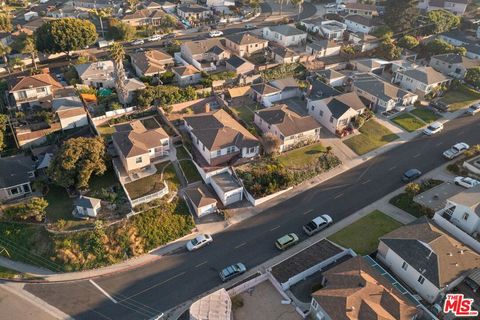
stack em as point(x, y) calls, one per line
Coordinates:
point(34, 208)
point(412, 189)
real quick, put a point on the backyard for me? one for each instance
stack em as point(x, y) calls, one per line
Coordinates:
point(105, 131)
point(372, 136)
point(460, 98)
point(362, 236)
point(188, 168)
point(408, 122)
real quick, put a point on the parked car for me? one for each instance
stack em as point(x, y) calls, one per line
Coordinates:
point(139, 50)
point(169, 36)
point(473, 110)
point(250, 26)
point(215, 33)
point(155, 37)
point(433, 128)
point(138, 42)
point(317, 224)
point(456, 150)
point(286, 241)
point(199, 241)
point(439, 105)
point(466, 182)
point(232, 271)
point(410, 175)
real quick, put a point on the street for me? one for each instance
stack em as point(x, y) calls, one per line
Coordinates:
point(154, 288)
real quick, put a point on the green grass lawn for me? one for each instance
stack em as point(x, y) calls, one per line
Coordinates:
point(60, 205)
point(97, 183)
point(408, 122)
point(426, 115)
point(190, 171)
point(182, 153)
point(153, 183)
point(106, 131)
point(302, 156)
point(245, 113)
point(362, 235)
point(373, 135)
point(460, 98)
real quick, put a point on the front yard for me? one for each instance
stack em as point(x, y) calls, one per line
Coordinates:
point(154, 183)
point(460, 98)
point(427, 115)
point(302, 157)
point(408, 122)
point(373, 135)
point(362, 236)
point(405, 201)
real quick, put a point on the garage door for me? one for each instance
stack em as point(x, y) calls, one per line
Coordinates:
point(233, 198)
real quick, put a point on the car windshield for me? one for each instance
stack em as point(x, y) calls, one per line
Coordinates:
point(431, 128)
point(194, 241)
point(228, 271)
point(311, 225)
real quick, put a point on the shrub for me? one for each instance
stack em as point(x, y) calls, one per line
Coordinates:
point(412, 189)
point(33, 208)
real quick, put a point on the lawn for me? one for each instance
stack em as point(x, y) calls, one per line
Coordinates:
point(408, 122)
point(60, 205)
point(182, 153)
point(245, 113)
point(362, 235)
point(405, 201)
point(426, 115)
point(460, 98)
point(105, 131)
point(373, 135)
point(302, 156)
point(154, 183)
point(190, 171)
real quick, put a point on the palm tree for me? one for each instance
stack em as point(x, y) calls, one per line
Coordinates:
point(4, 52)
point(30, 48)
point(281, 7)
point(298, 3)
point(100, 14)
point(117, 53)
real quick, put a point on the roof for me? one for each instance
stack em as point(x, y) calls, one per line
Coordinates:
point(151, 61)
point(372, 63)
point(217, 130)
point(238, 91)
point(215, 306)
point(431, 251)
point(87, 202)
point(144, 14)
point(286, 30)
point(285, 83)
point(360, 6)
point(187, 70)
point(453, 58)
point(226, 181)
point(134, 139)
point(363, 20)
point(206, 45)
point(193, 8)
point(95, 70)
point(265, 89)
point(330, 74)
point(339, 105)
point(245, 38)
point(34, 81)
point(320, 90)
point(288, 122)
point(133, 84)
point(379, 88)
point(200, 196)
point(236, 62)
point(426, 75)
point(355, 290)
point(22, 164)
point(469, 198)
point(285, 52)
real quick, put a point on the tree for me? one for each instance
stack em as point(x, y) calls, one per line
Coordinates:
point(281, 2)
point(65, 35)
point(438, 46)
point(117, 53)
point(408, 42)
point(132, 4)
point(168, 22)
point(383, 32)
point(412, 189)
point(388, 50)
point(439, 21)
point(271, 143)
point(473, 77)
point(76, 161)
point(5, 23)
point(31, 49)
point(3, 128)
point(299, 4)
point(100, 14)
point(4, 52)
point(401, 15)
point(34, 208)
point(120, 31)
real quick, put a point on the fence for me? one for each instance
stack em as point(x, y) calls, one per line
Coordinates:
point(111, 114)
point(150, 197)
point(256, 202)
point(457, 232)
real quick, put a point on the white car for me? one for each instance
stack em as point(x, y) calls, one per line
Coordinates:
point(138, 42)
point(466, 182)
point(155, 37)
point(215, 33)
point(433, 128)
point(317, 224)
point(199, 241)
point(456, 150)
point(473, 110)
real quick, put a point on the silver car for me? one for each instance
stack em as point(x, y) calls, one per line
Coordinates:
point(232, 271)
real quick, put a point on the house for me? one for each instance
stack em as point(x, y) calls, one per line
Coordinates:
point(284, 55)
point(99, 74)
point(220, 3)
point(217, 303)
point(227, 188)
point(187, 75)
point(332, 29)
point(420, 80)
point(193, 12)
point(332, 77)
point(143, 17)
point(354, 289)
point(426, 258)
point(360, 23)
point(362, 9)
point(383, 96)
point(201, 199)
point(239, 65)
point(453, 65)
point(204, 54)
point(323, 48)
point(285, 35)
point(456, 38)
point(219, 138)
point(363, 41)
point(372, 65)
point(463, 210)
point(338, 112)
point(245, 44)
point(312, 24)
point(87, 207)
point(16, 183)
point(165, 5)
point(138, 146)
point(291, 129)
point(94, 4)
point(473, 51)
point(33, 90)
point(457, 7)
point(151, 62)
point(133, 85)
point(275, 90)
point(318, 90)
point(70, 112)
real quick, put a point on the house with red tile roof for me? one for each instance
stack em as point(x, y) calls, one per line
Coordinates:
point(33, 90)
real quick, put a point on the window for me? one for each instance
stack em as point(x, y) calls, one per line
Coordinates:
point(312, 107)
point(314, 304)
point(138, 160)
point(465, 216)
point(331, 119)
point(40, 90)
point(421, 279)
point(404, 265)
point(251, 150)
point(22, 95)
point(219, 153)
point(321, 113)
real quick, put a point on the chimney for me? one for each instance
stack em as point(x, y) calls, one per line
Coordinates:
point(207, 107)
point(462, 251)
point(45, 70)
point(449, 254)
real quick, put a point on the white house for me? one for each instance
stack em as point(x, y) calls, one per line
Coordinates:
point(70, 111)
point(453, 65)
point(291, 129)
point(332, 29)
point(332, 77)
point(227, 188)
point(457, 7)
point(201, 199)
point(220, 3)
point(420, 80)
point(275, 90)
point(426, 258)
point(285, 35)
point(98, 74)
point(323, 48)
point(87, 207)
point(358, 23)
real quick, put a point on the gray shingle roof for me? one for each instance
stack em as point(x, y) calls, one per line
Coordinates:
point(87, 202)
point(14, 170)
point(287, 30)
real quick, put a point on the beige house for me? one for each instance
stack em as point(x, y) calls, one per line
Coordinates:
point(137, 147)
point(193, 12)
point(239, 65)
point(361, 9)
point(204, 54)
point(187, 75)
point(33, 90)
point(245, 44)
point(144, 17)
point(151, 62)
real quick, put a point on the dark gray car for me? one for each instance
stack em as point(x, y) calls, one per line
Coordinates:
point(410, 175)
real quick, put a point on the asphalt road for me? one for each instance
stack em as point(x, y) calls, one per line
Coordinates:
point(157, 287)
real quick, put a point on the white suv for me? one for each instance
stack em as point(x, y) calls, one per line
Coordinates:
point(215, 33)
point(466, 182)
point(456, 150)
point(433, 128)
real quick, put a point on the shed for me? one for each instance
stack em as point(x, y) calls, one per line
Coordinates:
point(201, 199)
point(87, 206)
